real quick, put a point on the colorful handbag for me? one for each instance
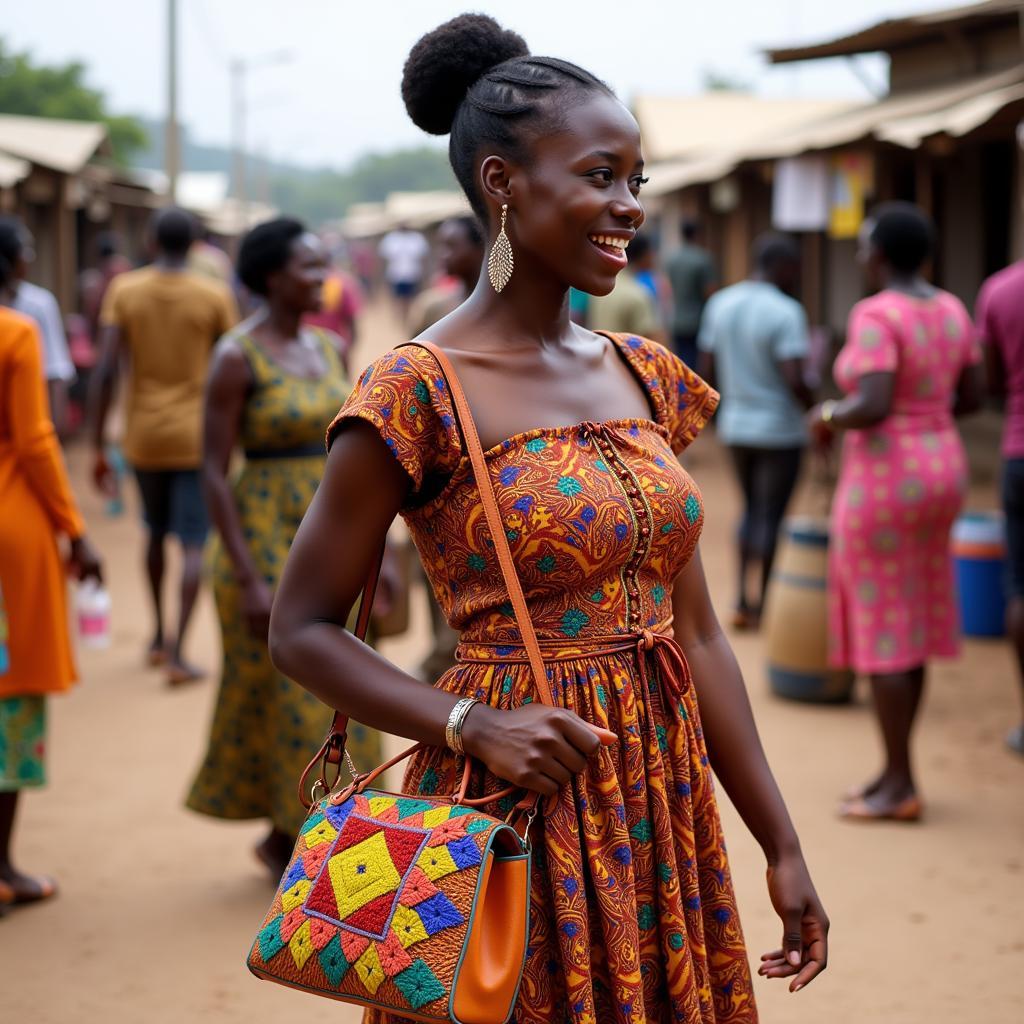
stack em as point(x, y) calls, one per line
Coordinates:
point(415, 905)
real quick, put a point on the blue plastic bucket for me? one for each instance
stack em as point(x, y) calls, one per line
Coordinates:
point(979, 557)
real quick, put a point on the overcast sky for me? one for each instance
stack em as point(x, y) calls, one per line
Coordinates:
point(338, 94)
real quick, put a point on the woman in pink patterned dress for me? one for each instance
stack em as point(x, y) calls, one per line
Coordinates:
point(909, 365)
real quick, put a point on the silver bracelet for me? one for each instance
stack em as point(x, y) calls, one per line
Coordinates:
point(453, 730)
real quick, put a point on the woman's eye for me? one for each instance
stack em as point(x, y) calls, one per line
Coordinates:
point(638, 182)
point(604, 176)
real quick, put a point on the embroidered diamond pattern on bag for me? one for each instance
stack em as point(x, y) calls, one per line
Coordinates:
point(358, 887)
point(419, 985)
point(364, 890)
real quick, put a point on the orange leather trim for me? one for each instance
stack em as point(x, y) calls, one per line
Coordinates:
point(496, 944)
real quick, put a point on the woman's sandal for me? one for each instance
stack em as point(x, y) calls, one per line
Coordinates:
point(44, 888)
point(858, 809)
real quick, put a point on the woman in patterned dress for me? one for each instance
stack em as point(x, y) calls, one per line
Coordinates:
point(633, 915)
point(273, 384)
point(909, 365)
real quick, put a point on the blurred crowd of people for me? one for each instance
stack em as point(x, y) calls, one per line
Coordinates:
point(231, 371)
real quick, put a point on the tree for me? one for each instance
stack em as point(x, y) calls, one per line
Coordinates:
point(324, 195)
point(37, 91)
point(724, 81)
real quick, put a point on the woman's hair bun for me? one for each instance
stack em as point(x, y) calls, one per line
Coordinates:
point(443, 65)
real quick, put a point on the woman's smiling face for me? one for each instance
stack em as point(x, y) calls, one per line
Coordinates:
point(574, 208)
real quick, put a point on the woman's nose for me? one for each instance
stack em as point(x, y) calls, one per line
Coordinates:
point(627, 206)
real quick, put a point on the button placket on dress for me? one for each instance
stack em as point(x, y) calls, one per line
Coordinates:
point(640, 512)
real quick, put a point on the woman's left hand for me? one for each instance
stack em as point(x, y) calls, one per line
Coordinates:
point(804, 951)
point(84, 561)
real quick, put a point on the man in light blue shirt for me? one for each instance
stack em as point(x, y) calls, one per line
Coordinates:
point(41, 306)
point(753, 342)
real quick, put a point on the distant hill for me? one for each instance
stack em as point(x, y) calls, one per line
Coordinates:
point(314, 194)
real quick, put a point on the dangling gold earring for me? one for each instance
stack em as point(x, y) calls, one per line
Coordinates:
point(501, 263)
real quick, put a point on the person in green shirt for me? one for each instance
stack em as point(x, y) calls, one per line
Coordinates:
point(692, 274)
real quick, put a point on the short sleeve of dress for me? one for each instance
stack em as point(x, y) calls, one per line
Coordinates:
point(871, 343)
point(687, 400)
point(403, 396)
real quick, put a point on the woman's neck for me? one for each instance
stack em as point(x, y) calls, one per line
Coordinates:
point(909, 284)
point(530, 309)
point(280, 322)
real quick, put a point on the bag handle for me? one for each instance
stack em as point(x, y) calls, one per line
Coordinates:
point(333, 748)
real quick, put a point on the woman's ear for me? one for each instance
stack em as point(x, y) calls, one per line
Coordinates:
point(495, 180)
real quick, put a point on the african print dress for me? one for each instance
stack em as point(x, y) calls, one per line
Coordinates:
point(892, 598)
point(633, 917)
point(265, 727)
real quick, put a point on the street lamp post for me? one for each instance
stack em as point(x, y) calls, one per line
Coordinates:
point(172, 138)
point(239, 68)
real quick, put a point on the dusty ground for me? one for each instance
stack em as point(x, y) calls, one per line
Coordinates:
point(159, 905)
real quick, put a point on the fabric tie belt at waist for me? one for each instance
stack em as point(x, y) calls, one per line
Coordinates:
point(660, 646)
point(299, 451)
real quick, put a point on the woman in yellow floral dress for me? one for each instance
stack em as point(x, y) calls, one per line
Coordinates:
point(273, 385)
point(633, 916)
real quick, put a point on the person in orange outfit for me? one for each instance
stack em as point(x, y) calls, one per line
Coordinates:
point(36, 506)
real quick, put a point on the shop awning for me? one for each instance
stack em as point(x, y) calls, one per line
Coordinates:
point(53, 143)
point(903, 120)
point(895, 33)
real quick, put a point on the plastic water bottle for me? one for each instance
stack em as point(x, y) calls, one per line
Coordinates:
point(92, 602)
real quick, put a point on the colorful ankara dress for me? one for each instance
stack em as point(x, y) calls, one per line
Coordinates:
point(891, 593)
point(265, 727)
point(633, 916)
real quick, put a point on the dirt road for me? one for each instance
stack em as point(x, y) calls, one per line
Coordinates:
point(159, 905)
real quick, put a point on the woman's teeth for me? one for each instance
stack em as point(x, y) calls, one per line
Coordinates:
point(615, 243)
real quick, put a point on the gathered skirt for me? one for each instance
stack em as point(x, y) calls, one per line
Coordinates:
point(633, 917)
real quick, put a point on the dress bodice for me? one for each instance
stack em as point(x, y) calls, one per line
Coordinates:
point(600, 517)
point(285, 411)
point(926, 343)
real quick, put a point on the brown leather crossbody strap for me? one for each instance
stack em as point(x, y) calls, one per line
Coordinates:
point(494, 522)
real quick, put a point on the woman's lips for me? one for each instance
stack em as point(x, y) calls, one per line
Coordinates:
point(612, 248)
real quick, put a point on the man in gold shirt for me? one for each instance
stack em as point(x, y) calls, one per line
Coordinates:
point(162, 322)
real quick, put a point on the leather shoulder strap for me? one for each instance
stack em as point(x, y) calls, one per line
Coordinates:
point(494, 522)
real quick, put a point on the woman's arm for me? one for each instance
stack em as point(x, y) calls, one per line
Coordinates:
point(341, 536)
point(970, 390)
point(227, 390)
point(866, 407)
point(738, 759)
point(34, 437)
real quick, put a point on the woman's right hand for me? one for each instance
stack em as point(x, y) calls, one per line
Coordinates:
point(257, 601)
point(536, 747)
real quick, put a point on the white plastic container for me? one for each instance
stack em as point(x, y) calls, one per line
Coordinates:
point(92, 603)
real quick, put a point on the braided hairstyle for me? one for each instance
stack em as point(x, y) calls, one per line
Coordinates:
point(480, 83)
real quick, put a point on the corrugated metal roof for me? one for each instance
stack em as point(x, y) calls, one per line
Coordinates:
point(687, 126)
point(50, 142)
point(12, 170)
point(894, 33)
point(904, 120)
